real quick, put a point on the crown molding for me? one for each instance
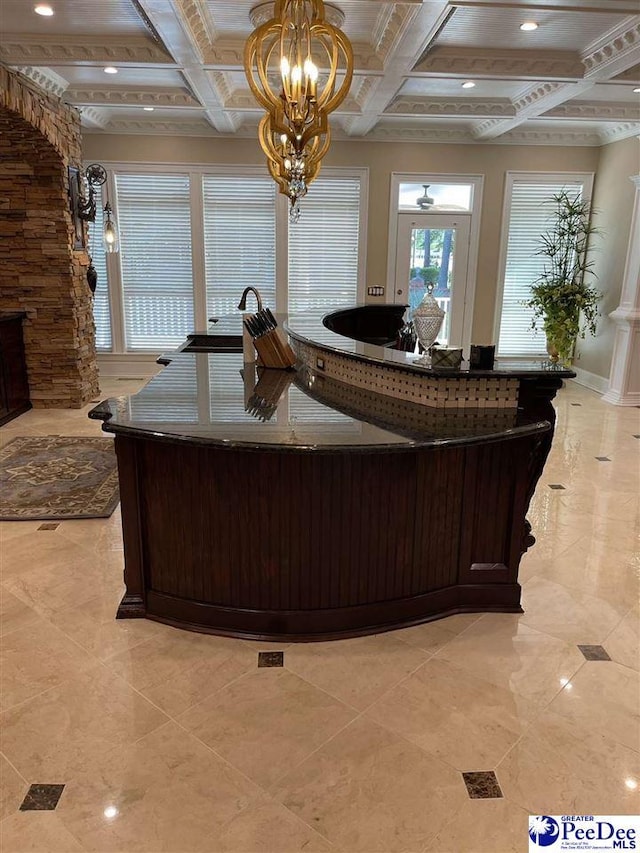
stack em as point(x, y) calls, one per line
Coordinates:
point(194, 127)
point(614, 52)
point(45, 79)
point(19, 49)
point(418, 106)
point(139, 96)
point(391, 26)
point(595, 111)
point(461, 136)
point(619, 132)
point(482, 62)
point(93, 117)
point(452, 135)
point(198, 24)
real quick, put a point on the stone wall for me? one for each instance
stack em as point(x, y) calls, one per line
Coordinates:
point(40, 272)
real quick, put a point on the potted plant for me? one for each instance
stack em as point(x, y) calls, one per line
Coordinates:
point(562, 298)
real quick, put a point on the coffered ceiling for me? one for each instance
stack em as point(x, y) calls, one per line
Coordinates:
point(570, 81)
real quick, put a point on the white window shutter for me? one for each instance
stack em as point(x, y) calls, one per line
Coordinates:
point(323, 246)
point(239, 240)
point(154, 219)
point(530, 215)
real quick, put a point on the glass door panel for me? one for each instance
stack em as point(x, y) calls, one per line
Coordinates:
point(434, 249)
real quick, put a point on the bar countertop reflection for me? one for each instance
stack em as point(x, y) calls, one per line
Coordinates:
point(215, 398)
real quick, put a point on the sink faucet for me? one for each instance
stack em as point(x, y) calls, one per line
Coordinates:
point(242, 305)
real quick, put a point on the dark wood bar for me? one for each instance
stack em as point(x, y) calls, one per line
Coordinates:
point(343, 512)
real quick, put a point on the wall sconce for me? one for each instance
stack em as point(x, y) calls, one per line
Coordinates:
point(95, 175)
point(307, 55)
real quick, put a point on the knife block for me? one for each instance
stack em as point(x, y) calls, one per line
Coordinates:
point(271, 346)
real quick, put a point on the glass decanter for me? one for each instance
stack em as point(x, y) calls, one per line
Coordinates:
point(427, 319)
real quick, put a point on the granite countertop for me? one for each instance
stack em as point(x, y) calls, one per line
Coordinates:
point(308, 328)
point(212, 398)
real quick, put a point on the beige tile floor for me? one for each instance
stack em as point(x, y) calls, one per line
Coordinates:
point(172, 741)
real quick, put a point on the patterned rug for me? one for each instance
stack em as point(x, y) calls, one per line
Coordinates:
point(57, 477)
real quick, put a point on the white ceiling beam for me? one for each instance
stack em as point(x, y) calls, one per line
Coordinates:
point(175, 32)
point(537, 99)
point(408, 33)
point(613, 53)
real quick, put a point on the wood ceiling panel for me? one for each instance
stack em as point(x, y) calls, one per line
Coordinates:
point(94, 76)
point(500, 29)
point(446, 87)
point(81, 17)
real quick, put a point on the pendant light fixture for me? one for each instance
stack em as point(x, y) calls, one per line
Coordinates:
point(299, 67)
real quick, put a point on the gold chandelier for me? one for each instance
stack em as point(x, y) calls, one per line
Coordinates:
point(299, 67)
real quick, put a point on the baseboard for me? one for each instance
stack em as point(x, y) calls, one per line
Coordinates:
point(590, 380)
point(632, 398)
point(128, 365)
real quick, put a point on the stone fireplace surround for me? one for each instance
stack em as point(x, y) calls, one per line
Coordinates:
point(40, 272)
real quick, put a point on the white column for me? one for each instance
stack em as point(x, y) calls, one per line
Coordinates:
point(624, 381)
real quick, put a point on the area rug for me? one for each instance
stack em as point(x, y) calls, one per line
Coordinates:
point(57, 477)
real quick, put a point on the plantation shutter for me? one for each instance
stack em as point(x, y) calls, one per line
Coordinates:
point(101, 309)
point(323, 246)
point(155, 255)
point(239, 240)
point(530, 215)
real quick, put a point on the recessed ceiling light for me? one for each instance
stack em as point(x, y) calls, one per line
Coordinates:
point(636, 90)
point(110, 70)
point(149, 109)
point(469, 85)
point(528, 26)
point(45, 11)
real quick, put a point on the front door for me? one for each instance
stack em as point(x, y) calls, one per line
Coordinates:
point(434, 248)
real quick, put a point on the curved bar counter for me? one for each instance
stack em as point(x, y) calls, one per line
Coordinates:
point(294, 506)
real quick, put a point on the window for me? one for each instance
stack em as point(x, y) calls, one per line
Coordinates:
point(154, 217)
point(191, 242)
point(527, 214)
point(239, 240)
point(323, 246)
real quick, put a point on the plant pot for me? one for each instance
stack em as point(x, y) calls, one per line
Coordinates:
point(556, 358)
point(552, 350)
